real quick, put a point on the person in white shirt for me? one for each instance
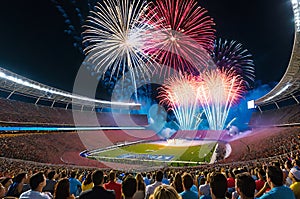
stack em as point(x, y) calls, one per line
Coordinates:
point(158, 181)
point(37, 183)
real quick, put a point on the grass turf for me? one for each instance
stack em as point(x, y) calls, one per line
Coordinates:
point(200, 153)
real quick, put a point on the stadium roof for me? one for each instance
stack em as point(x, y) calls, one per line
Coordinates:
point(289, 85)
point(17, 84)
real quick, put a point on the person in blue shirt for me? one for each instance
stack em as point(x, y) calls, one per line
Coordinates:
point(188, 182)
point(275, 180)
point(75, 185)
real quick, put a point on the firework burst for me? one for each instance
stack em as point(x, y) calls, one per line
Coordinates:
point(218, 90)
point(231, 55)
point(115, 33)
point(186, 37)
point(179, 93)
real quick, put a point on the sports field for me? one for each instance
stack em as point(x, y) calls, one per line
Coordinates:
point(162, 152)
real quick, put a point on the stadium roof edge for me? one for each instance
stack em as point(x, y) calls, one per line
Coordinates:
point(14, 83)
point(289, 85)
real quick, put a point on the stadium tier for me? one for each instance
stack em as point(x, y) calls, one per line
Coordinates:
point(19, 113)
point(285, 116)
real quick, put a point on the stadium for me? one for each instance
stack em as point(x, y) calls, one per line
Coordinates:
point(43, 127)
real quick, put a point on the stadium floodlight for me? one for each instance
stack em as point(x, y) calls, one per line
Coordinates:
point(296, 9)
point(251, 104)
point(58, 92)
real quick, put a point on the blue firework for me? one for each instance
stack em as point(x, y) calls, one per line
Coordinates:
point(231, 55)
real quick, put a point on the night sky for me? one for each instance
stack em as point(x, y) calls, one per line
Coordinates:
point(33, 42)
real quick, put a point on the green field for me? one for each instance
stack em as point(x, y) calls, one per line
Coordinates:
point(199, 153)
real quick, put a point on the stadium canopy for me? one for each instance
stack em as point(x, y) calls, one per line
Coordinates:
point(289, 85)
point(17, 84)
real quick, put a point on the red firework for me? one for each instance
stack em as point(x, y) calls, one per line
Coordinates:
point(186, 38)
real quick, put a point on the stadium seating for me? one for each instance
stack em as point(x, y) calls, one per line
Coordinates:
point(288, 115)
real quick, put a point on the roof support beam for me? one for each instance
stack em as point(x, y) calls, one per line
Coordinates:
point(52, 103)
point(295, 99)
point(10, 94)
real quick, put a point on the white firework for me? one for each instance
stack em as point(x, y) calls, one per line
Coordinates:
point(115, 34)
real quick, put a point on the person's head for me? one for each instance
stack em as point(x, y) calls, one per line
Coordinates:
point(6, 182)
point(62, 189)
point(296, 162)
point(288, 165)
point(73, 174)
point(274, 176)
point(149, 175)
point(97, 177)
point(20, 177)
point(202, 181)
point(129, 186)
point(187, 181)
point(218, 185)
point(51, 175)
point(159, 176)
point(112, 176)
point(245, 185)
point(139, 177)
point(294, 175)
point(261, 174)
point(165, 192)
point(178, 179)
point(37, 181)
point(88, 179)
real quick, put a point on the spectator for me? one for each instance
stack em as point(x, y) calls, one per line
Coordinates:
point(204, 190)
point(2, 191)
point(218, 186)
point(296, 163)
point(165, 179)
point(141, 187)
point(188, 182)
point(261, 179)
point(129, 186)
point(6, 182)
point(18, 182)
point(147, 179)
point(177, 184)
point(230, 179)
point(87, 183)
point(75, 184)
point(295, 186)
point(50, 182)
point(245, 186)
point(150, 188)
point(275, 181)
point(112, 185)
point(98, 189)
point(37, 183)
point(165, 192)
point(62, 190)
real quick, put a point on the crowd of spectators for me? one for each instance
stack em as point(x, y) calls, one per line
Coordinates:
point(271, 142)
point(279, 177)
point(39, 147)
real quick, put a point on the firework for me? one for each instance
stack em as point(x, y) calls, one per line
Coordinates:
point(114, 34)
point(186, 37)
point(218, 90)
point(231, 55)
point(179, 93)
